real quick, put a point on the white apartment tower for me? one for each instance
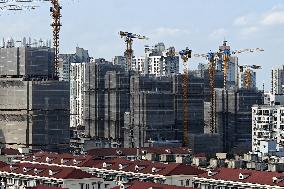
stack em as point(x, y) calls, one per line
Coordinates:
point(156, 62)
point(77, 79)
point(277, 82)
point(268, 129)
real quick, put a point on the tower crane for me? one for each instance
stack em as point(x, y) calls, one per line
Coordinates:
point(226, 54)
point(212, 58)
point(128, 38)
point(247, 70)
point(55, 10)
point(185, 56)
point(56, 25)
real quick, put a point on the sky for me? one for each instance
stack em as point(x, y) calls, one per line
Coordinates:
point(201, 25)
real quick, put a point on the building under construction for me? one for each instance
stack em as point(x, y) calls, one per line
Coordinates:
point(156, 110)
point(97, 97)
point(234, 117)
point(34, 108)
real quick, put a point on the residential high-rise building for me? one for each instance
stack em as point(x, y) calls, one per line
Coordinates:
point(65, 61)
point(94, 118)
point(156, 62)
point(233, 117)
point(156, 110)
point(77, 80)
point(267, 130)
point(277, 80)
point(34, 106)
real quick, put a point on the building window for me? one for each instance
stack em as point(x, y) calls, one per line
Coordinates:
point(187, 182)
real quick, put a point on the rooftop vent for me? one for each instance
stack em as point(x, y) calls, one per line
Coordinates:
point(211, 173)
point(277, 179)
point(243, 176)
point(119, 152)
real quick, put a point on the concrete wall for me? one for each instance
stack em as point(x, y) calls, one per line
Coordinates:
point(27, 62)
point(34, 112)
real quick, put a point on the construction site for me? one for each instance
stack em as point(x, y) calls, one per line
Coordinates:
point(131, 101)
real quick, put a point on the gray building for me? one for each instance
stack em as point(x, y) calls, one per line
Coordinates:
point(277, 80)
point(95, 96)
point(156, 110)
point(234, 117)
point(80, 56)
point(34, 108)
point(27, 62)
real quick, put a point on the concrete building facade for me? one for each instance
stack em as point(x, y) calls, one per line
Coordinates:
point(34, 108)
point(77, 80)
point(277, 80)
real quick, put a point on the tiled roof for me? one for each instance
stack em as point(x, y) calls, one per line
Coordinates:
point(252, 176)
point(115, 152)
point(148, 167)
point(60, 159)
point(147, 185)
point(46, 171)
point(9, 151)
point(3, 164)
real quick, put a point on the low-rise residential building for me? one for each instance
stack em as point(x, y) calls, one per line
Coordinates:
point(22, 175)
point(119, 170)
point(7, 155)
point(125, 171)
point(159, 154)
point(239, 178)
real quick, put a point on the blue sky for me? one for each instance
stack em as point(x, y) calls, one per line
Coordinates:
point(200, 24)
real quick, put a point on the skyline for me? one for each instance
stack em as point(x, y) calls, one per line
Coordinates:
point(258, 24)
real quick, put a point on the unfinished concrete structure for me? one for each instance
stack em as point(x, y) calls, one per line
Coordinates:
point(94, 96)
point(27, 62)
point(116, 104)
point(151, 111)
point(233, 117)
point(34, 108)
point(156, 110)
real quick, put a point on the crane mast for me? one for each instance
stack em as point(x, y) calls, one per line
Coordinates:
point(185, 56)
point(128, 39)
point(56, 24)
point(212, 71)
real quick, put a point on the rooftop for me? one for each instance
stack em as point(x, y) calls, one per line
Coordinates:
point(246, 176)
point(114, 152)
point(45, 171)
point(147, 167)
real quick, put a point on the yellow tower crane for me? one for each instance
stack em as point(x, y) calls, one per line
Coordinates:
point(56, 24)
point(55, 10)
point(247, 70)
point(212, 58)
point(225, 55)
point(185, 56)
point(128, 38)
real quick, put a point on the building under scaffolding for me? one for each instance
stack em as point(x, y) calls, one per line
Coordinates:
point(34, 108)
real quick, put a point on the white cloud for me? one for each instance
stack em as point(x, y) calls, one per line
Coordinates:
point(242, 21)
point(218, 33)
point(275, 17)
point(249, 30)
